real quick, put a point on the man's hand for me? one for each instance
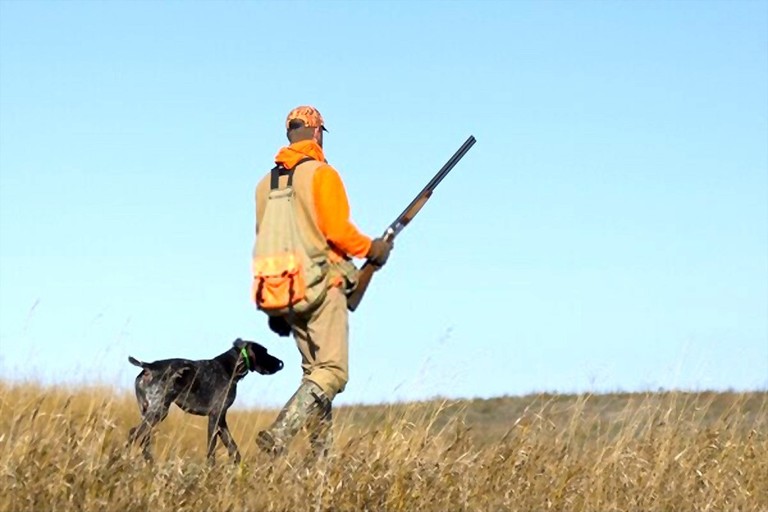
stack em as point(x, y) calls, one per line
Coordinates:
point(279, 326)
point(379, 252)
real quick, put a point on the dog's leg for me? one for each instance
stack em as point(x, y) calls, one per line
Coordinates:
point(212, 438)
point(227, 439)
point(143, 433)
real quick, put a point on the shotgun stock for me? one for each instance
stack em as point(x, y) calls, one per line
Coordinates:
point(366, 272)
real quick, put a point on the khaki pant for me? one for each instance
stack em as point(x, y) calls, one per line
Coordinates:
point(323, 341)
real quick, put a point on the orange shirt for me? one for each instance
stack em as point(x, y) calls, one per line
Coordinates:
point(330, 197)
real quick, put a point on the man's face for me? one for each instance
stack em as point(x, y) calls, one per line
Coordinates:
point(319, 136)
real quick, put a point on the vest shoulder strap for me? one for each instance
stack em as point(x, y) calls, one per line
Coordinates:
point(275, 173)
point(279, 170)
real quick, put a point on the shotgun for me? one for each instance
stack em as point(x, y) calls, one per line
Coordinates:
point(366, 272)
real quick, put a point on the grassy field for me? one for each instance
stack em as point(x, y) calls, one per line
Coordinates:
point(65, 450)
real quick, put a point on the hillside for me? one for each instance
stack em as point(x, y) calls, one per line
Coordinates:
point(65, 450)
point(488, 420)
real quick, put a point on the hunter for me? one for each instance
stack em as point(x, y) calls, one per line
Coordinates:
point(321, 334)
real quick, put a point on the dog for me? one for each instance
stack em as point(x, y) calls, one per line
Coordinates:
point(205, 388)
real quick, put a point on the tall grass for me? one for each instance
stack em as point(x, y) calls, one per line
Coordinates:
point(65, 450)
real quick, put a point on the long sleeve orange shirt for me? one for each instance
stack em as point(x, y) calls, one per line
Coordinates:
point(331, 202)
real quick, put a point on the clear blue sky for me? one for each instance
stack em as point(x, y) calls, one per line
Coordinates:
point(608, 231)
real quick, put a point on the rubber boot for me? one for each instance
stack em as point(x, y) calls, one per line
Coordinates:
point(321, 425)
point(306, 404)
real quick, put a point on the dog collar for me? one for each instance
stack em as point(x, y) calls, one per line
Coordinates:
point(244, 353)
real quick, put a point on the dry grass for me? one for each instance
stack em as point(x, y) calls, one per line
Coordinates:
point(65, 450)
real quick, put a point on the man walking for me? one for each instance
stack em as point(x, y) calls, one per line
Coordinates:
point(321, 334)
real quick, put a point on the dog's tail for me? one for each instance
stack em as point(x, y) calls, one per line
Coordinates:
point(136, 362)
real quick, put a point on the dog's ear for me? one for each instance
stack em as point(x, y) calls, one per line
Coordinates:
point(239, 343)
point(256, 348)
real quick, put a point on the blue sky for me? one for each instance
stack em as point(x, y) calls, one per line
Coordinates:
point(608, 231)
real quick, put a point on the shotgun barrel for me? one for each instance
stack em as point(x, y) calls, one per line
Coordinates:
point(366, 272)
point(421, 198)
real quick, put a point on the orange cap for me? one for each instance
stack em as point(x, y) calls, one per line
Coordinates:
point(310, 116)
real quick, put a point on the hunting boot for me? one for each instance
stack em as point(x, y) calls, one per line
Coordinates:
point(321, 425)
point(305, 405)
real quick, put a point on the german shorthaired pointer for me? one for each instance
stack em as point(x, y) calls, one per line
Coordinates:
point(205, 388)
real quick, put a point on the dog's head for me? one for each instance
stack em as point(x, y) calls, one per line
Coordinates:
point(256, 357)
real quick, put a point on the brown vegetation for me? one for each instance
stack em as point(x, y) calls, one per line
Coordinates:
point(65, 450)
